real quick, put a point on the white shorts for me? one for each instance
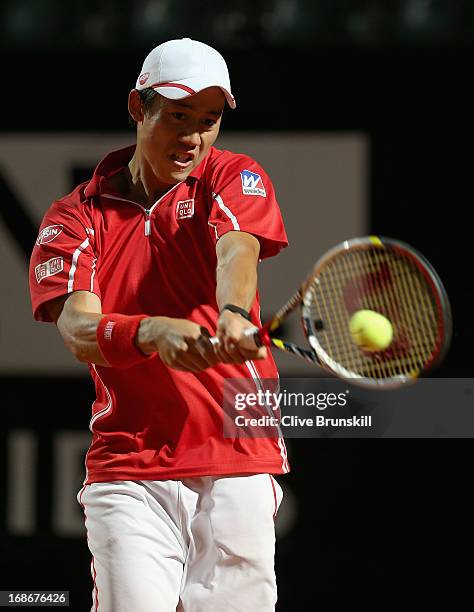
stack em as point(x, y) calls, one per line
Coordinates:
point(197, 545)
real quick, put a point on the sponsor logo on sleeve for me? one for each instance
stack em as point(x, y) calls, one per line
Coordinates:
point(48, 234)
point(49, 268)
point(184, 209)
point(252, 183)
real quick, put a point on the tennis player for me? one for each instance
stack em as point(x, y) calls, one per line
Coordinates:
point(161, 244)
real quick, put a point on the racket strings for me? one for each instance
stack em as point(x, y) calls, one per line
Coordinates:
point(396, 296)
point(419, 315)
point(356, 264)
point(387, 282)
point(389, 309)
point(410, 313)
point(333, 287)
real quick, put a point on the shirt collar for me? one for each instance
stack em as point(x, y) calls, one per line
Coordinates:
point(115, 161)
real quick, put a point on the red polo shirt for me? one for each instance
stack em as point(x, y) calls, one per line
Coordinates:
point(151, 422)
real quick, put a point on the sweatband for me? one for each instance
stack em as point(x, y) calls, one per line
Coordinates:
point(116, 339)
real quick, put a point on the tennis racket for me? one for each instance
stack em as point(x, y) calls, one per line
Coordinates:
point(378, 274)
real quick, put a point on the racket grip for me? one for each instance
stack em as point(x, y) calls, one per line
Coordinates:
point(260, 337)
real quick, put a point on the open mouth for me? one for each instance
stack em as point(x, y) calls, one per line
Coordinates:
point(182, 159)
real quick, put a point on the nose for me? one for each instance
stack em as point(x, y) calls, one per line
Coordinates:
point(191, 138)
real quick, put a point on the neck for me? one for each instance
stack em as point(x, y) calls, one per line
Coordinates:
point(142, 186)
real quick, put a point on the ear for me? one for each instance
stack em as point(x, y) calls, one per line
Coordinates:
point(135, 106)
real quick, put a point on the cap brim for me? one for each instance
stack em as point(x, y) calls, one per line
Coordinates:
point(189, 87)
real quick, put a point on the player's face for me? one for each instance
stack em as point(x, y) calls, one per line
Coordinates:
point(176, 135)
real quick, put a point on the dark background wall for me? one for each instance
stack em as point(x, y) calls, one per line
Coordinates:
point(378, 519)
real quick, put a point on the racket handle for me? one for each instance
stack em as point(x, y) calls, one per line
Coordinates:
point(259, 336)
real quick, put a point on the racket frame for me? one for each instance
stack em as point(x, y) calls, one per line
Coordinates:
point(430, 275)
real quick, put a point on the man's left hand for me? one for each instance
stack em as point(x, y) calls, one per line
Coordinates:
point(234, 346)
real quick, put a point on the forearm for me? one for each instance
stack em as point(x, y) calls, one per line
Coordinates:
point(237, 256)
point(237, 260)
point(78, 317)
point(80, 335)
point(79, 332)
point(236, 282)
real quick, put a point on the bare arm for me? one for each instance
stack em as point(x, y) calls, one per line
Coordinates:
point(77, 316)
point(237, 260)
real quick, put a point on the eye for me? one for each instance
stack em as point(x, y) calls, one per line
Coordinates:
point(178, 115)
point(210, 122)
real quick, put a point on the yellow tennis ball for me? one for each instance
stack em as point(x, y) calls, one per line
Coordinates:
point(371, 330)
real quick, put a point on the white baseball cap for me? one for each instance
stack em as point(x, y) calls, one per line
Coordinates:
point(180, 68)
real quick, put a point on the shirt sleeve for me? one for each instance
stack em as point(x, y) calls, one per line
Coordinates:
point(63, 258)
point(243, 199)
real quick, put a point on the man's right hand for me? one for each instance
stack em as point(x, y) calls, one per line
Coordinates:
point(179, 342)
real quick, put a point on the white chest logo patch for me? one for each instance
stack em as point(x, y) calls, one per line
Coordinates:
point(48, 234)
point(184, 209)
point(49, 268)
point(252, 183)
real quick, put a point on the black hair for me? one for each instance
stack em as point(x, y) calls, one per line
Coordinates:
point(148, 97)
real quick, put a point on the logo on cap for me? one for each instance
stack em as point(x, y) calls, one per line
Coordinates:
point(143, 78)
point(252, 183)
